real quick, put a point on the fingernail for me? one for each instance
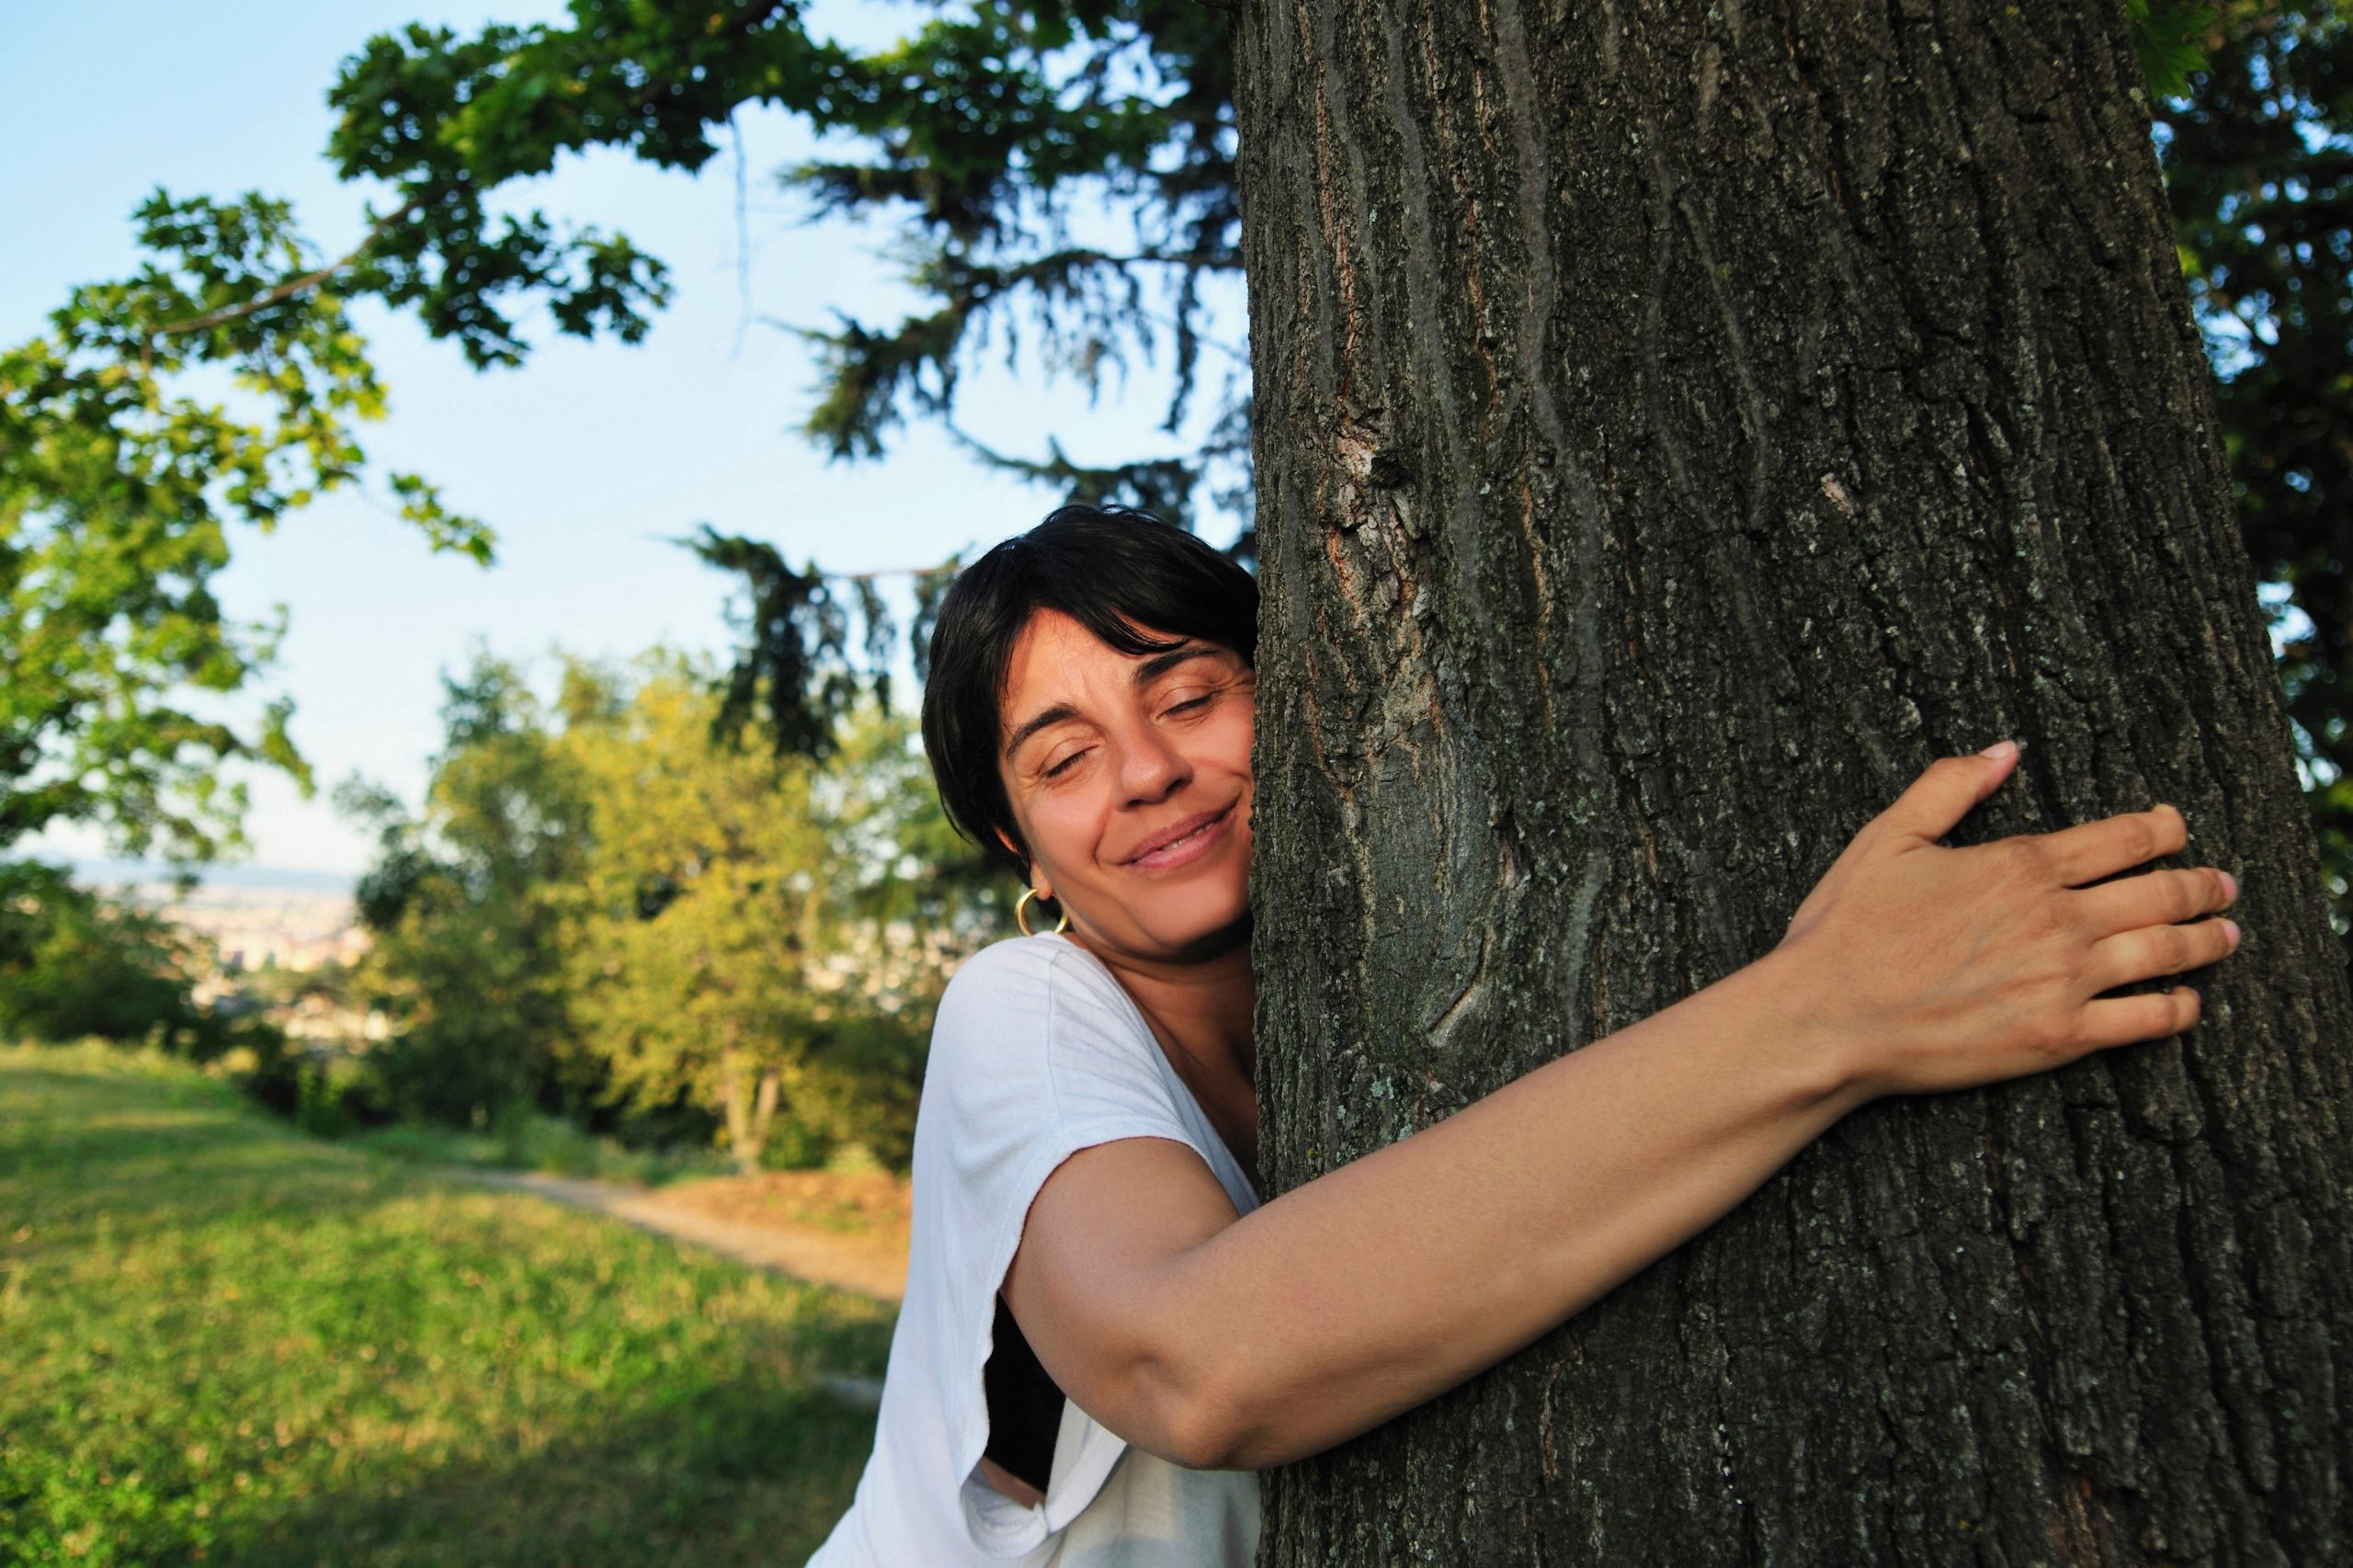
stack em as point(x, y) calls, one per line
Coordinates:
point(2232, 927)
point(2000, 749)
point(2230, 888)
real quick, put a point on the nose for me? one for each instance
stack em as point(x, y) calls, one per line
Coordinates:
point(1150, 768)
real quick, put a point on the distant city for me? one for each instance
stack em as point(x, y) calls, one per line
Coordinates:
point(256, 919)
point(99, 872)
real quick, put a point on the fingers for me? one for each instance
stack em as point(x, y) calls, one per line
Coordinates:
point(2102, 848)
point(2154, 951)
point(2154, 898)
point(2120, 1020)
point(1940, 797)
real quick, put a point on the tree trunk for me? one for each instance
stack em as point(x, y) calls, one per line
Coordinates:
point(748, 1097)
point(1678, 425)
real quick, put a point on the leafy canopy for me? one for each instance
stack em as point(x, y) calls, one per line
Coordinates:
point(984, 137)
point(216, 386)
point(2259, 158)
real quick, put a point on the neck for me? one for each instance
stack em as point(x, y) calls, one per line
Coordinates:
point(1204, 1006)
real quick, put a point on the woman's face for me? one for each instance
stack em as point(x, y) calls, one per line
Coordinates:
point(1129, 777)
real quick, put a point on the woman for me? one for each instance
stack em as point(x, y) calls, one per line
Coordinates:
point(1104, 1332)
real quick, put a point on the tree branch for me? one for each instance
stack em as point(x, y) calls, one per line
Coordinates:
point(289, 288)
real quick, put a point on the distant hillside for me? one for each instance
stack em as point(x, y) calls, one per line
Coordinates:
point(97, 872)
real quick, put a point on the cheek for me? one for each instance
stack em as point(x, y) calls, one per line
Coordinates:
point(1230, 735)
point(1061, 828)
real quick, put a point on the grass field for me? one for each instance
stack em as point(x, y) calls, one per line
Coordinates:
point(223, 1342)
point(542, 1144)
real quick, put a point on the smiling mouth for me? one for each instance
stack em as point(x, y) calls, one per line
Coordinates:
point(1170, 851)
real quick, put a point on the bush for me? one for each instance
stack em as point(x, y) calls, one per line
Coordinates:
point(453, 1070)
point(73, 964)
point(335, 1097)
point(537, 1142)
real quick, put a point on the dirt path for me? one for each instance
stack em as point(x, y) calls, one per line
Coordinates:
point(847, 1263)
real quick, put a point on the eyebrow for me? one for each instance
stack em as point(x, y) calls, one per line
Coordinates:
point(1148, 671)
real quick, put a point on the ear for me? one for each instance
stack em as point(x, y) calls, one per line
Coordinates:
point(1012, 848)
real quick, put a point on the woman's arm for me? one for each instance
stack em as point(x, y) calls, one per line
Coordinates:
point(1220, 1342)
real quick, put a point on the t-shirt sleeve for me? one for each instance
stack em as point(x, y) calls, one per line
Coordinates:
point(1036, 1055)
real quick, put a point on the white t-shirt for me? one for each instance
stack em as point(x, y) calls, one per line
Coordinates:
point(1036, 1053)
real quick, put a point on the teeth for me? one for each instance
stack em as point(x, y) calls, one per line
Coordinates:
point(1163, 848)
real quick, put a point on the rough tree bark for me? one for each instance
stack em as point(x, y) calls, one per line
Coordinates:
point(1677, 423)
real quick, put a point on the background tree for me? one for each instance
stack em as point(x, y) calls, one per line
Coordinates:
point(711, 964)
point(609, 911)
point(466, 910)
point(124, 469)
point(1678, 426)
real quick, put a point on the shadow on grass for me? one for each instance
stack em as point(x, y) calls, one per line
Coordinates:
point(727, 1474)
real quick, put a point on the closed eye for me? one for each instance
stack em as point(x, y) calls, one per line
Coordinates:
point(1065, 762)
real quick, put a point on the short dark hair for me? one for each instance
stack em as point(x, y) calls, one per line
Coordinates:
point(1116, 572)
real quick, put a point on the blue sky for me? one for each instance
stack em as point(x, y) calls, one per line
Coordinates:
point(586, 461)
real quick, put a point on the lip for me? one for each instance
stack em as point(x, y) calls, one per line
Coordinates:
point(1181, 841)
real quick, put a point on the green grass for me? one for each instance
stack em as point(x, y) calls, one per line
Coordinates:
point(222, 1341)
point(542, 1142)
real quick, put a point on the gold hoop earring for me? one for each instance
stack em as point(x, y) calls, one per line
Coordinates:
point(1021, 913)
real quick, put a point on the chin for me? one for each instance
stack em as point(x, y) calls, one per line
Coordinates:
point(1208, 924)
point(1214, 942)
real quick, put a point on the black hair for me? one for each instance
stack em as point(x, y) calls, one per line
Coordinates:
point(1116, 572)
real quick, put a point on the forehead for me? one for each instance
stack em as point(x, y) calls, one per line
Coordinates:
point(1049, 639)
point(1055, 648)
point(1056, 663)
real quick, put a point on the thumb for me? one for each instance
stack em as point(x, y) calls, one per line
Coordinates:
point(1946, 792)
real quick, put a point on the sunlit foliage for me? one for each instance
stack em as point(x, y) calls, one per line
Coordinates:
point(608, 910)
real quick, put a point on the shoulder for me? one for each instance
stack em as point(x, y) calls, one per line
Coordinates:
point(1021, 1016)
point(1027, 983)
point(1014, 961)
